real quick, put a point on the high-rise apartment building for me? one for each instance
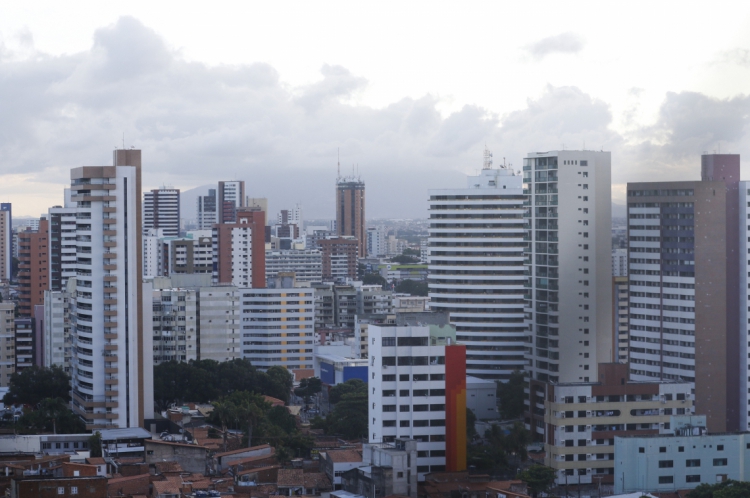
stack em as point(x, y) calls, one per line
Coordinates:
point(207, 215)
point(57, 342)
point(684, 252)
point(350, 211)
point(619, 262)
point(231, 196)
point(6, 245)
point(417, 390)
point(291, 216)
point(744, 305)
point(112, 384)
point(175, 326)
point(258, 204)
point(188, 255)
point(339, 258)
point(278, 324)
point(62, 244)
point(33, 268)
point(8, 339)
point(476, 269)
point(569, 306)
point(377, 244)
point(220, 338)
point(239, 251)
point(307, 264)
point(161, 209)
point(621, 318)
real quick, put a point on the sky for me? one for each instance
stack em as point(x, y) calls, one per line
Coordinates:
point(405, 94)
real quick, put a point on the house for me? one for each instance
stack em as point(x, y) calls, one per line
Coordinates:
point(191, 457)
point(295, 482)
point(225, 459)
point(336, 462)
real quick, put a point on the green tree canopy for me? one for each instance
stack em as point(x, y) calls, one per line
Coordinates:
point(50, 415)
point(31, 385)
point(412, 287)
point(309, 387)
point(511, 396)
point(349, 417)
point(350, 386)
point(726, 489)
point(538, 478)
point(404, 259)
point(374, 279)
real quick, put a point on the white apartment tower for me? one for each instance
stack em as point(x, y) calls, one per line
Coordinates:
point(476, 268)
point(161, 209)
point(570, 257)
point(206, 212)
point(112, 382)
point(6, 242)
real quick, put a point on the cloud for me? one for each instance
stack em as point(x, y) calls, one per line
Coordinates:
point(198, 124)
point(739, 56)
point(564, 43)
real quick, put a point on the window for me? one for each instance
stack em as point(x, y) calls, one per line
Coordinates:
point(640, 450)
point(720, 462)
point(719, 447)
point(389, 378)
point(403, 392)
point(569, 458)
point(692, 463)
point(437, 423)
point(389, 423)
point(693, 478)
point(662, 449)
point(666, 464)
point(403, 408)
point(666, 479)
point(403, 377)
point(403, 423)
point(681, 449)
point(60, 490)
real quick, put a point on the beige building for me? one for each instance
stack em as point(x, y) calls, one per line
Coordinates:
point(8, 341)
point(583, 419)
point(350, 211)
point(175, 328)
point(219, 324)
point(621, 318)
point(5, 246)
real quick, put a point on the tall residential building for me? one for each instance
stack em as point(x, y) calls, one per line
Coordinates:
point(307, 264)
point(219, 336)
point(417, 390)
point(291, 216)
point(25, 343)
point(619, 262)
point(476, 269)
point(175, 325)
point(258, 204)
point(8, 339)
point(377, 244)
point(621, 318)
point(161, 209)
point(206, 210)
point(350, 211)
point(33, 268)
point(151, 256)
point(231, 195)
point(57, 342)
point(188, 255)
point(569, 305)
point(339, 258)
point(6, 244)
point(62, 244)
point(278, 324)
point(744, 305)
point(239, 251)
point(685, 279)
point(112, 384)
point(337, 306)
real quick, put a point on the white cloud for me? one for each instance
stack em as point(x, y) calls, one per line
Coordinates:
point(564, 43)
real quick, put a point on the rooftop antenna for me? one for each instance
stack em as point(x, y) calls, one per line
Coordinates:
point(487, 158)
point(123, 139)
point(338, 160)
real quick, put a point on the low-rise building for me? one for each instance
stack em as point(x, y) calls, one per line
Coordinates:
point(336, 462)
point(307, 264)
point(191, 457)
point(481, 398)
point(56, 487)
point(683, 459)
point(583, 419)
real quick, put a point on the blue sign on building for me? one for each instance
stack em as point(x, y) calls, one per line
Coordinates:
point(355, 373)
point(327, 373)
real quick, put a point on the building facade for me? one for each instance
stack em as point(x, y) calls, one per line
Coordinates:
point(350, 211)
point(307, 264)
point(192, 254)
point(278, 324)
point(111, 335)
point(33, 268)
point(219, 336)
point(207, 216)
point(8, 339)
point(619, 262)
point(584, 418)
point(339, 258)
point(685, 286)
point(231, 196)
point(57, 348)
point(239, 251)
point(476, 269)
point(161, 209)
point(62, 244)
point(417, 390)
point(6, 246)
point(175, 327)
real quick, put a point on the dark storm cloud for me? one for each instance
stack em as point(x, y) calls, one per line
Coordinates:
point(564, 43)
point(198, 124)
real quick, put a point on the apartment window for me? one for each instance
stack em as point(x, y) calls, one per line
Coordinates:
point(693, 478)
point(60, 490)
point(569, 458)
point(581, 442)
point(666, 464)
point(389, 341)
point(403, 408)
point(388, 378)
point(403, 423)
point(666, 479)
point(403, 392)
point(389, 423)
point(681, 449)
point(720, 462)
point(693, 463)
point(641, 450)
point(719, 447)
point(403, 377)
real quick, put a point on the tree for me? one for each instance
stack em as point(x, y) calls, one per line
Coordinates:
point(280, 382)
point(31, 385)
point(309, 387)
point(50, 415)
point(471, 419)
point(350, 386)
point(349, 417)
point(95, 445)
point(726, 489)
point(538, 478)
point(411, 252)
point(412, 287)
point(511, 396)
point(240, 410)
point(404, 260)
point(374, 279)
